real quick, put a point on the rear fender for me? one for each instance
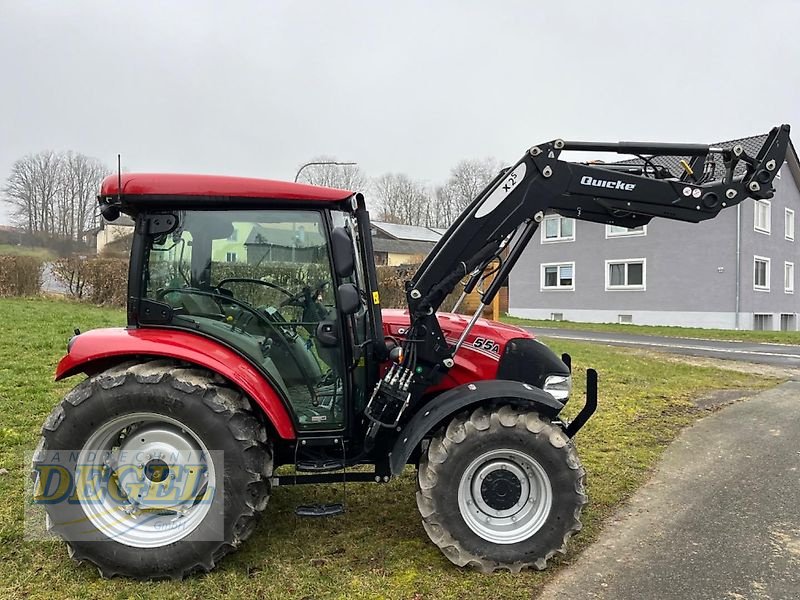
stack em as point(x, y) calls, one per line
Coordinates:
point(94, 350)
point(450, 402)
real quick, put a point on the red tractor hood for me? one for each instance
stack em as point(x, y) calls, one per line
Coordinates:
point(395, 322)
point(481, 352)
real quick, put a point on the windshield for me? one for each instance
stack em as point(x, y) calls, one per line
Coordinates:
point(260, 281)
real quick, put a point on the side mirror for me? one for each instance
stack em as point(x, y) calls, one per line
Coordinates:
point(348, 297)
point(109, 211)
point(342, 249)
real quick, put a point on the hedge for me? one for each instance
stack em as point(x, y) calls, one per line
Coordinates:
point(104, 280)
point(107, 281)
point(95, 280)
point(20, 275)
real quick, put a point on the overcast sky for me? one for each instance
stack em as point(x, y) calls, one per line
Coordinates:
point(257, 88)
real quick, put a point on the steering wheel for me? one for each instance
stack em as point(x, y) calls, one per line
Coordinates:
point(274, 286)
point(304, 299)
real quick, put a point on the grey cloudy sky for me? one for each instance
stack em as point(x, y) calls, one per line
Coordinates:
point(257, 88)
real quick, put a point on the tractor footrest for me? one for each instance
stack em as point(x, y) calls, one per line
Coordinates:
point(309, 466)
point(319, 510)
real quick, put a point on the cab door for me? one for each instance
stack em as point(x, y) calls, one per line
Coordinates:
point(260, 281)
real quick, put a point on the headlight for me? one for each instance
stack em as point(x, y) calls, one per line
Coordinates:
point(558, 386)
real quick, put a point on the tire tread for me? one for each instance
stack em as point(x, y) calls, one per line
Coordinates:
point(226, 403)
point(461, 427)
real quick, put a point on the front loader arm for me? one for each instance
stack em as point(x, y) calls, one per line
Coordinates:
point(506, 214)
point(540, 181)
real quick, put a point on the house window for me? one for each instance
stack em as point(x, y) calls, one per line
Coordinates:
point(558, 276)
point(788, 322)
point(558, 229)
point(788, 277)
point(761, 274)
point(230, 257)
point(626, 274)
point(762, 216)
point(617, 231)
point(762, 322)
point(788, 224)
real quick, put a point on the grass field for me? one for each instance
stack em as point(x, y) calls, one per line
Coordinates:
point(378, 549)
point(12, 250)
point(769, 337)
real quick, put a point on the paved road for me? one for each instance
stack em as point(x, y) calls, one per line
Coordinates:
point(720, 519)
point(769, 354)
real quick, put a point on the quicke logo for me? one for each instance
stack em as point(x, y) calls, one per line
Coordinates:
point(604, 183)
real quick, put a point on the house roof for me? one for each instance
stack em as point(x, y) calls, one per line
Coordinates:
point(412, 247)
point(216, 186)
point(408, 232)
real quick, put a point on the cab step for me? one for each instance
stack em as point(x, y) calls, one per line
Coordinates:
point(319, 510)
point(319, 466)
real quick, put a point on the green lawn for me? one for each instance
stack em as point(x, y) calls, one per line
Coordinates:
point(378, 549)
point(770, 337)
point(13, 250)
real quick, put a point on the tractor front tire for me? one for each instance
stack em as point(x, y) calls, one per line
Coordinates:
point(142, 420)
point(500, 488)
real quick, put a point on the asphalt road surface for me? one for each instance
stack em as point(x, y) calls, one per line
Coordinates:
point(768, 354)
point(720, 518)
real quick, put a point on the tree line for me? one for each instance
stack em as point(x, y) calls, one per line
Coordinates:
point(398, 198)
point(54, 193)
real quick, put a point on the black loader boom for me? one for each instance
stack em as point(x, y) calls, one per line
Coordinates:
point(494, 229)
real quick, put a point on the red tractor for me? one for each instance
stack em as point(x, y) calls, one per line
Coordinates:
point(255, 339)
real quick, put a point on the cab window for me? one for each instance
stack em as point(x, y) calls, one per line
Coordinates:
point(261, 282)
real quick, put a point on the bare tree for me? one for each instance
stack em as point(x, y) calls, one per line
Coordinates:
point(402, 200)
point(467, 179)
point(54, 193)
point(444, 211)
point(31, 188)
point(81, 177)
point(343, 177)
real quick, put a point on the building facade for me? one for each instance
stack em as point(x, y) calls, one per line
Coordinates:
point(735, 271)
point(115, 231)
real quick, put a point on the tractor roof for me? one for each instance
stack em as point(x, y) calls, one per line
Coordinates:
point(166, 185)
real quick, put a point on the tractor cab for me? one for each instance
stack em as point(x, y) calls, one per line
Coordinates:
point(277, 280)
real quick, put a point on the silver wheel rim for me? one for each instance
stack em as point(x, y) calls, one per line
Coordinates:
point(138, 458)
point(519, 517)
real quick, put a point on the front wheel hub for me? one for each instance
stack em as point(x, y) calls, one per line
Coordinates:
point(505, 496)
point(501, 489)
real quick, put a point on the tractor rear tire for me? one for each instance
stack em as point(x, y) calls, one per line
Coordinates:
point(159, 406)
point(500, 489)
